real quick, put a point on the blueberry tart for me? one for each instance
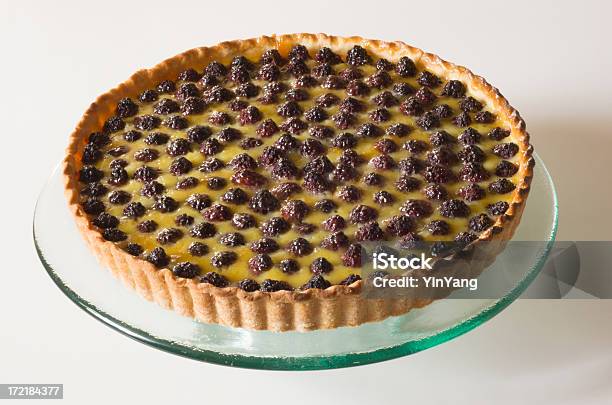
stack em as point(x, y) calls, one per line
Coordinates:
point(236, 183)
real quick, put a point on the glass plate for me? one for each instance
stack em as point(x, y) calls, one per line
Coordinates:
point(76, 272)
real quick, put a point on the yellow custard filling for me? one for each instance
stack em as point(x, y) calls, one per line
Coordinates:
point(239, 270)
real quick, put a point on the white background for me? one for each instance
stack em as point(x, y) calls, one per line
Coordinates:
point(551, 59)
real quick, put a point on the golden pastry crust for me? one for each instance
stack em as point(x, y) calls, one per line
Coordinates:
point(336, 306)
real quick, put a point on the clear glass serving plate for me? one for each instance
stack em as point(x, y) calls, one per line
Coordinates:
point(82, 279)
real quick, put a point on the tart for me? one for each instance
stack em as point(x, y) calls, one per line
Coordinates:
point(235, 183)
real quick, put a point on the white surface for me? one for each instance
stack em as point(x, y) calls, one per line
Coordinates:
point(550, 59)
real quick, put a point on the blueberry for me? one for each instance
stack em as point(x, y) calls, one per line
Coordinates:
point(267, 128)
point(235, 196)
point(148, 96)
point(264, 245)
point(470, 104)
point(248, 178)
point(352, 256)
point(289, 266)
point(132, 135)
point(362, 214)
point(146, 122)
point(320, 265)
point(462, 120)
point(407, 184)
point(471, 192)
point(501, 186)
point(454, 209)
point(379, 80)
point(325, 205)
point(232, 239)
point(274, 285)
point(358, 56)
point(369, 232)
point(417, 208)
point(506, 150)
point(105, 220)
point(294, 210)
point(497, 134)
point(223, 259)
point(214, 278)
point(151, 189)
point(383, 198)
point(158, 257)
point(211, 147)
point(473, 172)
point(399, 225)
point(299, 52)
point(166, 86)
point(217, 213)
point(335, 241)
point(198, 134)
point(274, 226)
point(119, 197)
point(438, 227)
point(435, 192)
point(465, 238)
point(89, 174)
point(180, 166)
point(197, 249)
point(506, 169)
point(134, 210)
point(470, 136)
point(428, 79)
point(316, 282)
point(399, 130)
point(243, 221)
point(198, 201)
point(156, 138)
point(166, 106)
point(134, 249)
point(326, 55)
point(498, 208)
point(438, 174)
point(114, 124)
point(327, 100)
point(264, 202)
point(165, 204)
point(480, 223)
point(405, 67)
point(453, 88)
point(183, 220)
point(147, 226)
point(248, 285)
point(114, 235)
point(203, 230)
